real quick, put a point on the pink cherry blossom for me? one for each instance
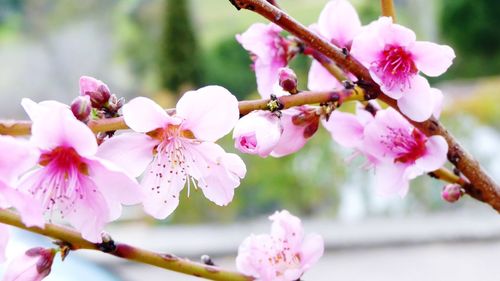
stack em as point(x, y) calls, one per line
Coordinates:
point(339, 24)
point(269, 53)
point(299, 125)
point(34, 265)
point(180, 148)
point(257, 133)
point(84, 189)
point(284, 254)
point(402, 150)
point(394, 59)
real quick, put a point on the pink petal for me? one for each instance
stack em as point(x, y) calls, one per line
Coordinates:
point(116, 186)
point(4, 238)
point(345, 128)
point(38, 110)
point(210, 112)
point(311, 251)
point(267, 74)
point(417, 102)
point(287, 227)
point(218, 172)
point(390, 179)
point(144, 115)
point(320, 79)
point(435, 155)
point(395, 34)
point(339, 21)
point(132, 152)
point(257, 39)
point(31, 210)
point(431, 58)
point(58, 127)
point(438, 101)
point(292, 139)
point(17, 157)
point(162, 196)
point(90, 214)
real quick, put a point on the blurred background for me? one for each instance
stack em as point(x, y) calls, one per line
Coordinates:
point(161, 49)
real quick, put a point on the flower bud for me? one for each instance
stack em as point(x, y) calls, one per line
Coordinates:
point(288, 80)
point(35, 264)
point(96, 89)
point(81, 108)
point(257, 133)
point(451, 192)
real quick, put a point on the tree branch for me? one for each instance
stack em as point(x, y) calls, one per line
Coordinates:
point(482, 186)
point(74, 241)
point(388, 9)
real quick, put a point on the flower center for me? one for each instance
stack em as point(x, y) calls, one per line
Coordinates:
point(396, 67)
point(248, 142)
point(408, 148)
point(63, 159)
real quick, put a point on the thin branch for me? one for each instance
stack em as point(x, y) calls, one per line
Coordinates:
point(388, 9)
point(482, 187)
point(74, 240)
point(23, 128)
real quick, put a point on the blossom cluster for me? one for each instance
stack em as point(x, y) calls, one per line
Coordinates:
point(66, 171)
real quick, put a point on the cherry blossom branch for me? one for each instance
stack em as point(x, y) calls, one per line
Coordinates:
point(23, 128)
point(388, 9)
point(73, 240)
point(482, 187)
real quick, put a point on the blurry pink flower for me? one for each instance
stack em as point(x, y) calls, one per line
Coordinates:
point(17, 157)
point(299, 125)
point(86, 190)
point(394, 58)
point(269, 52)
point(34, 265)
point(339, 24)
point(177, 149)
point(402, 150)
point(97, 90)
point(283, 255)
point(257, 133)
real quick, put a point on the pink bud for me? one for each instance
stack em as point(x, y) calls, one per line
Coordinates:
point(257, 133)
point(96, 89)
point(34, 265)
point(451, 192)
point(288, 80)
point(81, 108)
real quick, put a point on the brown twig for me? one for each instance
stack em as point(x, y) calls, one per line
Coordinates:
point(74, 241)
point(482, 186)
point(388, 9)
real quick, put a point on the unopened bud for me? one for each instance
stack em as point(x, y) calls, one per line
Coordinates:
point(96, 89)
point(288, 80)
point(81, 108)
point(452, 192)
point(35, 264)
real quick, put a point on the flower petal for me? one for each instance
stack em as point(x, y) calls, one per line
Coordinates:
point(431, 58)
point(17, 157)
point(144, 115)
point(210, 112)
point(292, 139)
point(133, 152)
point(58, 127)
point(320, 79)
point(116, 186)
point(257, 133)
point(339, 21)
point(435, 155)
point(417, 103)
point(312, 249)
point(31, 210)
point(390, 179)
point(345, 128)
